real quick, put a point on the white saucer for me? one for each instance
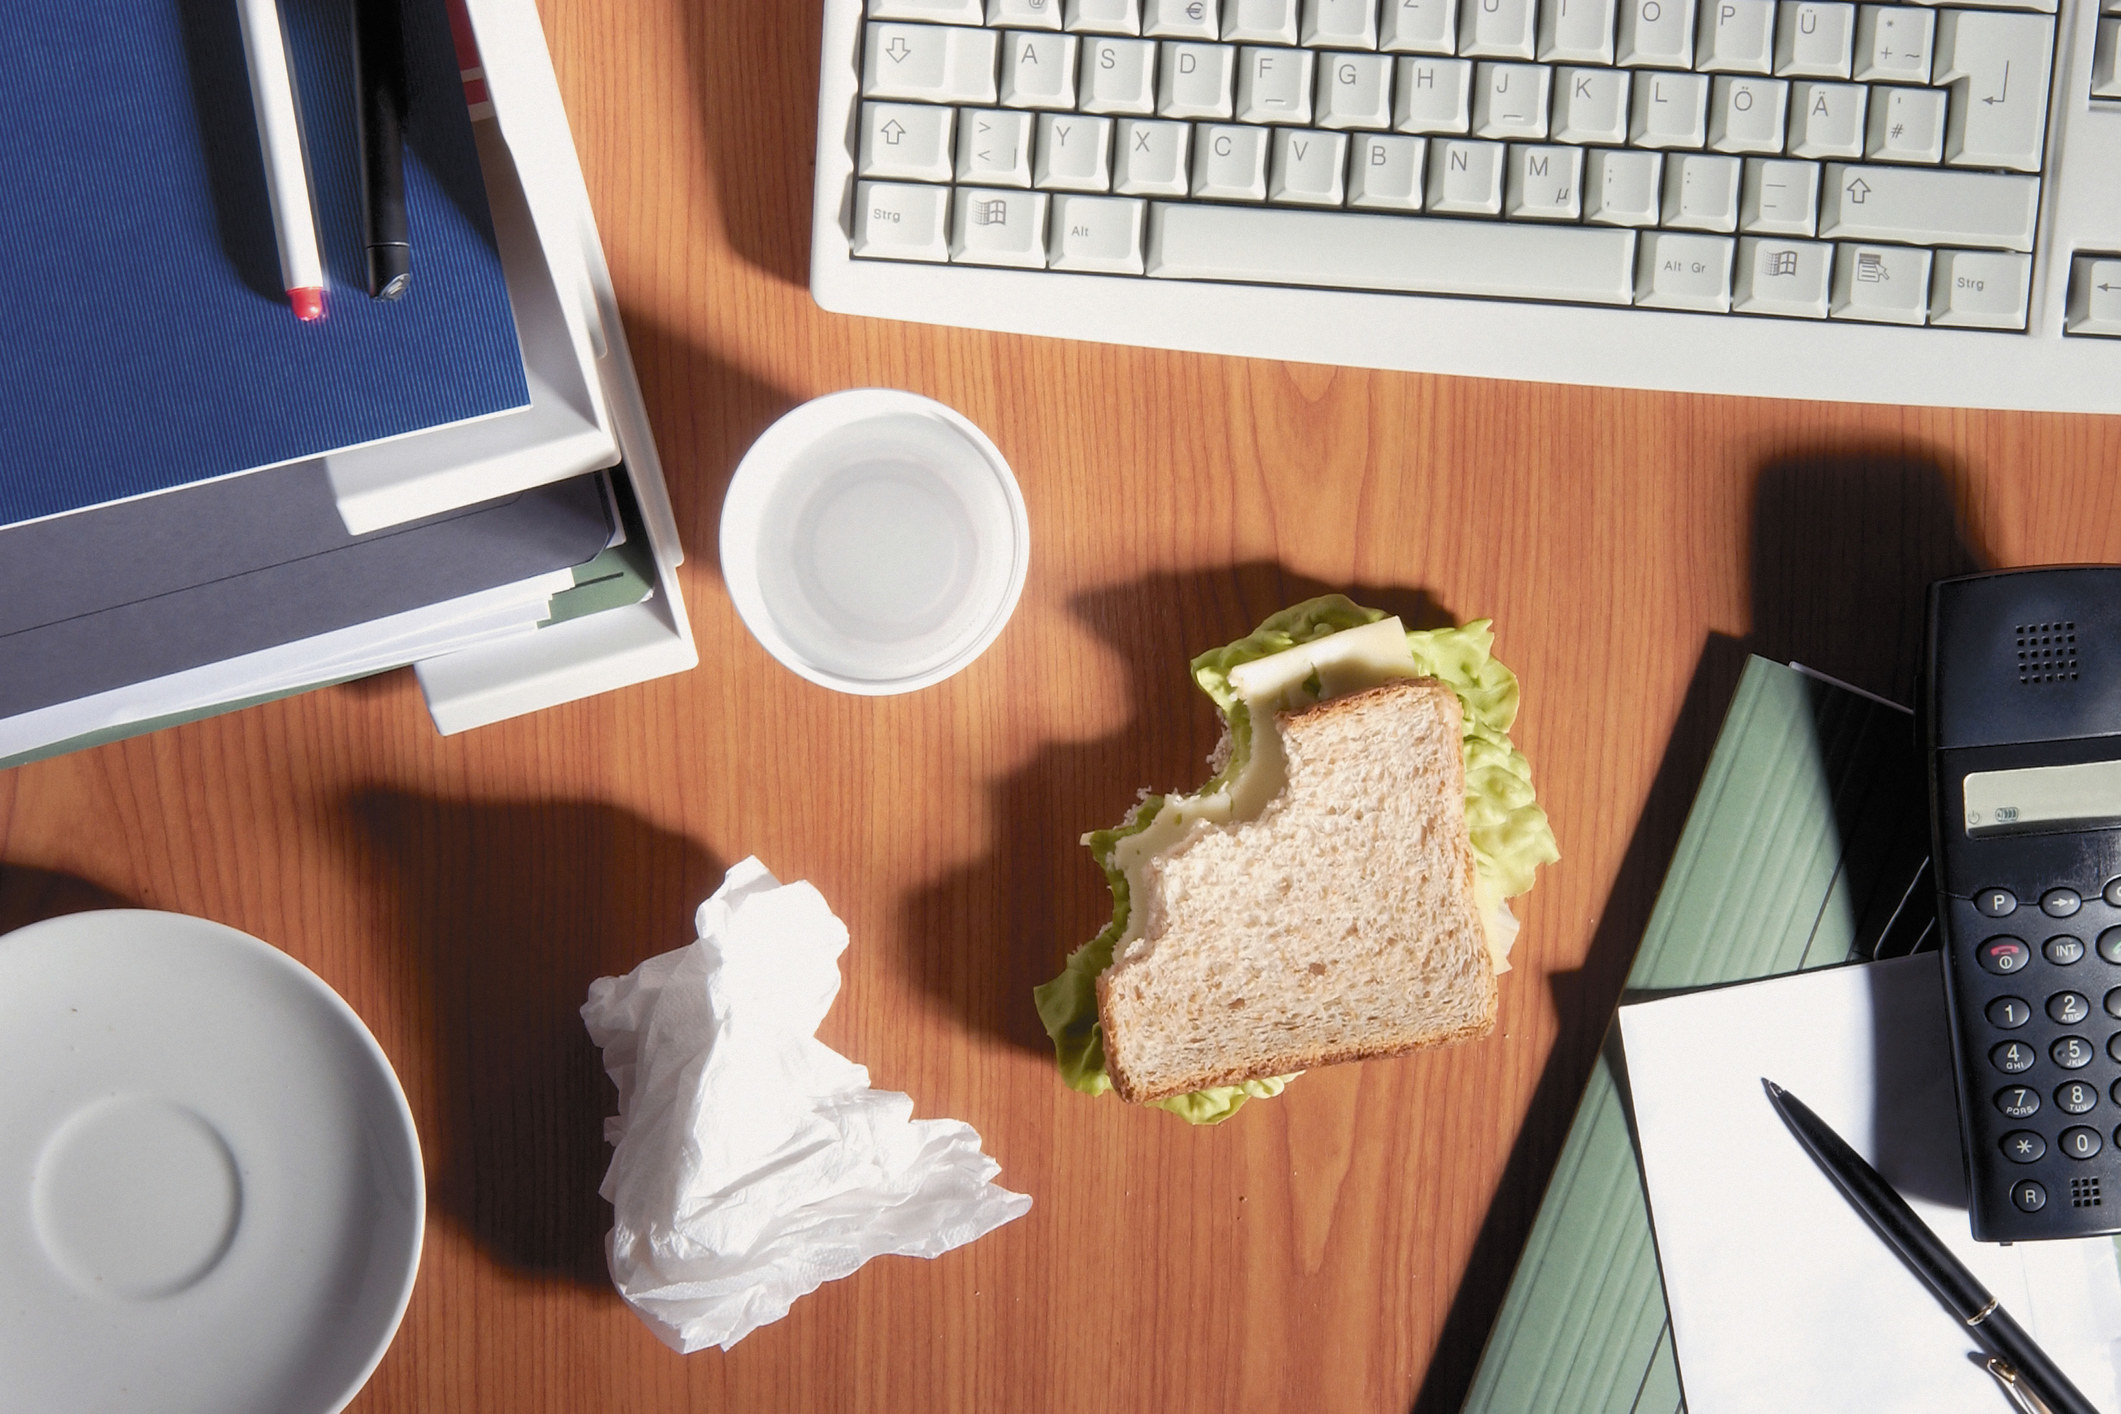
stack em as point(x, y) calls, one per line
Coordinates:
point(874, 541)
point(210, 1188)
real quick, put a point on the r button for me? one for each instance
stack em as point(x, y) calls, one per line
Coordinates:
point(2029, 1196)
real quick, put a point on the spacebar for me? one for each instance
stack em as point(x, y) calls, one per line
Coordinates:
point(1363, 251)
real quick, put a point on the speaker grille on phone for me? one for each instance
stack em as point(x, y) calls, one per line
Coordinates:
point(2084, 1192)
point(2047, 653)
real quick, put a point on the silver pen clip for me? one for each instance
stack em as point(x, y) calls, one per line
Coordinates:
point(2020, 1392)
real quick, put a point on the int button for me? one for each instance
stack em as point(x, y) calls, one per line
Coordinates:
point(2063, 950)
point(2060, 903)
point(1997, 903)
point(2006, 955)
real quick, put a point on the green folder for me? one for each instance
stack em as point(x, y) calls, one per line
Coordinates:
point(1807, 845)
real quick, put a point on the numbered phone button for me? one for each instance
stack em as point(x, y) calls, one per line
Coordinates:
point(2075, 1098)
point(2012, 1057)
point(2022, 1146)
point(2110, 945)
point(2060, 903)
point(2071, 1053)
point(2064, 950)
point(2069, 1008)
point(2018, 1102)
point(2113, 1002)
point(2005, 955)
point(2028, 1196)
point(2113, 1045)
point(2081, 1143)
point(2010, 1013)
point(2113, 892)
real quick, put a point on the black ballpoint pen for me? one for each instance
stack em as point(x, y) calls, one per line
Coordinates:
point(2025, 1368)
point(379, 84)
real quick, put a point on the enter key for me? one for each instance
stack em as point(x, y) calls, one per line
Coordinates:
point(1996, 64)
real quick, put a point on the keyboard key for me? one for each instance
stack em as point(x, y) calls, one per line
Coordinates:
point(1118, 77)
point(1737, 37)
point(1671, 110)
point(941, 12)
point(1577, 31)
point(1928, 206)
point(2095, 308)
point(1984, 289)
point(2043, 6)
point(1907, 125)
point(1307, 167)
point(1893, 43)
point(932, 63)
point(906, 141)
point(2024, 1147)
point(2106, 60)
point(1890, 285)
point(1497, 29)
point(1195, 81)
point(1038, 70)
point(1355, 91)
point(1465, 178)
point(1182, 19)
point(1510, 100)
point(1813, 40)
point(1826, 119)
point(1622, 188)
point(994, 147)
point(901, 222)
point(1274, 85)
point(1544, 184)
point(1385, 175)
point(1746, 115)
point(1099, 234)
point(1656, 33)
point(1104, 16)
point(2018, 1101)
point(1024, 14)
point(1433, 96)
point(1230, 163)
point(1149, 159)
point(1340, 24)
point(1781, 197)
point(1268, 21)
point(1364, 250)
point(1591, 106)
point(1675, 271)
point(1782, 277)
point(1997, 67)
point(1419, 26)
point(1074, 153)
point(1701, 193)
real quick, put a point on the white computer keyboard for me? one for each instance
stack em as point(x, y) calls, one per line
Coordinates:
point(1915, 203)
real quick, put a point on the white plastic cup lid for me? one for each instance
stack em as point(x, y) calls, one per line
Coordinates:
point(874, 541)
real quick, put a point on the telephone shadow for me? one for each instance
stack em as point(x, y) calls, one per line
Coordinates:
point(506, 911)
point(986, 935)
point(30, 895)
point(1844, 547)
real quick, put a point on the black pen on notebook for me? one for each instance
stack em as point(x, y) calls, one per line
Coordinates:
point(2023, 1368)
point(379, 85)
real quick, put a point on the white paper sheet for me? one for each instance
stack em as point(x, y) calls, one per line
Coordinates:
point(1781, 1297)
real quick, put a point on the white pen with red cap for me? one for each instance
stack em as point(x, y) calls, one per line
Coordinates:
point(272, 93)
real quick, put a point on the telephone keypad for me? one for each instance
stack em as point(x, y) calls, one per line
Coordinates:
point(2004, 955)
point(2071, 1053)
point(2022, 1146)
point(2076, 1098)
point(2062, 950)
point(2060, 903)
point(2000, 903)
point(2068, 1008)
point(2017, 1102)
point(2010, 1013)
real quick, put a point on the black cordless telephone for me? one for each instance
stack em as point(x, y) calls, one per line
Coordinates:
point(2022, 715)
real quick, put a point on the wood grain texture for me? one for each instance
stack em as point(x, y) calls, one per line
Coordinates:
point(1342, 1248)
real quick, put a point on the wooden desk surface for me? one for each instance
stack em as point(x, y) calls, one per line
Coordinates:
point(1343, 1248)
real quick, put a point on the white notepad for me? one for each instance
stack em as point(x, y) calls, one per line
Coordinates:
point(1782, 1298)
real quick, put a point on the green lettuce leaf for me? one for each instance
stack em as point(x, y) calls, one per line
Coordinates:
point(1510, 834)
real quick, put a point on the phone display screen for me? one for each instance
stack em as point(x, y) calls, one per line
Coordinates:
point(2042, 798)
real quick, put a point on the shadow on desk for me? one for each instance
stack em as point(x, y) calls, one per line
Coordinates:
point(30, 895)
point(760, 128)
point(506, 911)
point(1038, 889)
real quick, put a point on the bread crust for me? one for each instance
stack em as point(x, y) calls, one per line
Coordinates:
point(1266, 1063)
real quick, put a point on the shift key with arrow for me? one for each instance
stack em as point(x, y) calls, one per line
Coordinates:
point(929, 63)
point(1928, 206)
point(906, 142)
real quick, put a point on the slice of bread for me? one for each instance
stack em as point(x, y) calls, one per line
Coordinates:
point(1338, 924)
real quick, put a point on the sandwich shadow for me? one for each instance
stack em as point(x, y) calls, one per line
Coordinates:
point(1037, 890)
point(505, 912)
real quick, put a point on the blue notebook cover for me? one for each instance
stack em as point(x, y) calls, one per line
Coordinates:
point(145, 339)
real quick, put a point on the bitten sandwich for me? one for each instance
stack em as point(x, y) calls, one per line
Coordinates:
point(1336, 891)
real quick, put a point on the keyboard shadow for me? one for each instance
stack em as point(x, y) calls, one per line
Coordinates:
point(991, 932)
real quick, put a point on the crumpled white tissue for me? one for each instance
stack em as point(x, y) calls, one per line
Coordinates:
point(753, 1162)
